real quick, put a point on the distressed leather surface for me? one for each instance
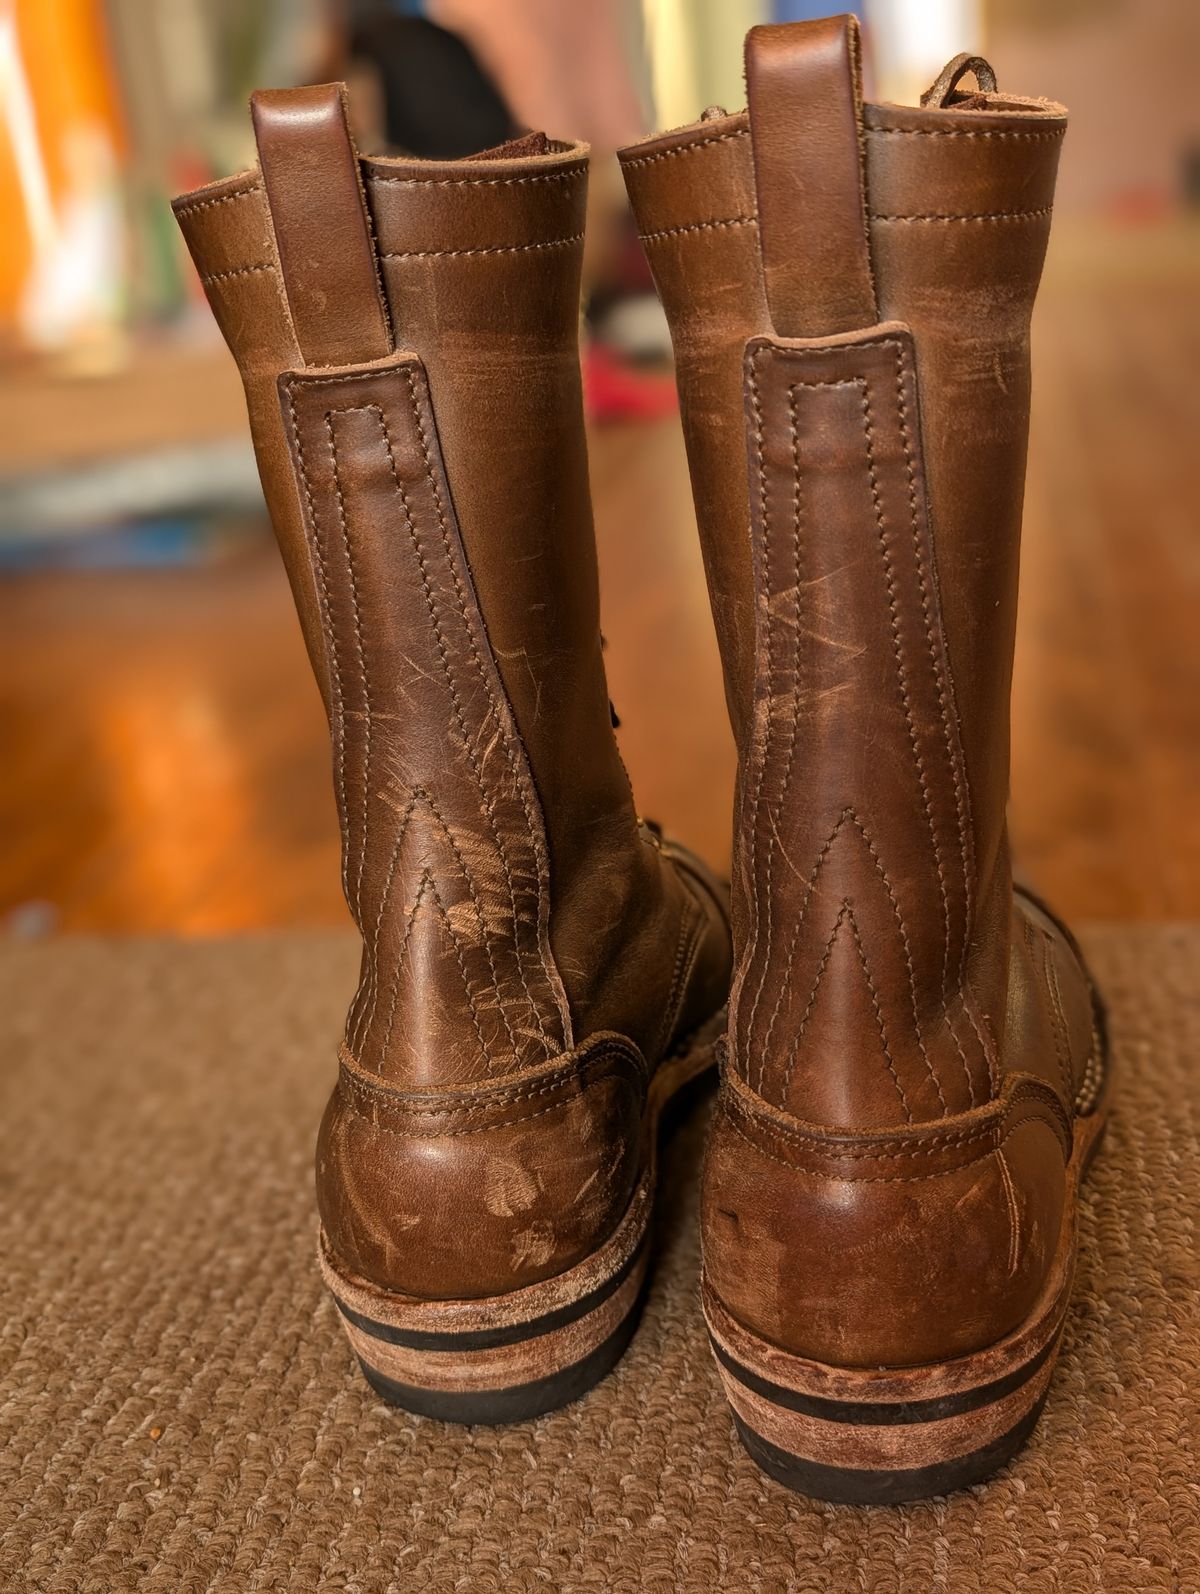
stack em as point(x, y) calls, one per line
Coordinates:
point(412, 380)
point(890, 991)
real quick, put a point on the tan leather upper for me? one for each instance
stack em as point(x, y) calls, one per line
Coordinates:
point(407, 334)
point(849, 289)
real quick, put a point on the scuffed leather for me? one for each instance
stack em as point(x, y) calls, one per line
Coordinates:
point(445, 860)
point(889, 989)
point(889, 1251)
point(432, 507)
point(542, 1163)
point(856, 857)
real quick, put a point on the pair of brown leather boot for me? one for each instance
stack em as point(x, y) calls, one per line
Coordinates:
point(912, 1063)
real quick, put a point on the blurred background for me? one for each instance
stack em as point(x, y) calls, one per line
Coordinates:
point(165, 759)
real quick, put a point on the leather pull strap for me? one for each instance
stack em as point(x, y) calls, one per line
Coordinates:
point(323, 233)
point(942, 91)
point(804, 84)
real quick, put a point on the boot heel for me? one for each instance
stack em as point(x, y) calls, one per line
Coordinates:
point(506, 1358)
point(868, 1436)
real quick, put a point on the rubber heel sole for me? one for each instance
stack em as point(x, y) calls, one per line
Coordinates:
point(878, 1437)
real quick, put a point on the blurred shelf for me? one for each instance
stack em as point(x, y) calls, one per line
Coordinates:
point(166, 392)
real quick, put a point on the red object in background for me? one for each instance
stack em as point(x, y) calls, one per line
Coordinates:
point(615, 390)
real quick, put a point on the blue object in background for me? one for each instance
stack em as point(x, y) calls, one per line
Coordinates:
point(809, 10)
point(160, 542)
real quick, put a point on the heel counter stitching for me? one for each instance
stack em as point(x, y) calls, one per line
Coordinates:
point(983, 1144)
point(568, 1076)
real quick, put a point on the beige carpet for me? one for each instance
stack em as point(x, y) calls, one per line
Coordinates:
point(179, 1412)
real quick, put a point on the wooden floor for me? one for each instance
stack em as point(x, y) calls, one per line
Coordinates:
point(165, 758)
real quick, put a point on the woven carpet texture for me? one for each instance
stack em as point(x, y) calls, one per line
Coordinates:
point(179, 1410)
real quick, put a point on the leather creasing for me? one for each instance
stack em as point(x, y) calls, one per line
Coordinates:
point(445, 863)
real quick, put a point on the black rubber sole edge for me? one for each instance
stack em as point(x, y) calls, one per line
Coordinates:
point(869, 1486)
point(519, 1402)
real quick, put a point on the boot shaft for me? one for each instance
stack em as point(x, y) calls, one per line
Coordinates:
point(407, 332)
point(540, 972)
point(849, 289)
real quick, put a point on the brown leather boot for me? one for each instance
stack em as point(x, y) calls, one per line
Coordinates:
point(541, 972)
point(915, 1070)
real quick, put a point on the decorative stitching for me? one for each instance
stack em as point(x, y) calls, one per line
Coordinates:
point(943, 690)
point(793, 727)
point(768, 732)
point(335, 677)
point(469, 1129)
point(902, 681)
point(480, 917)
point(962, 1057)
point(241, 271)
point(887, 1050)
point(992, 215)
point(963, 132)
point(760, 772)
point(809, 886)
point(890, 1178)
point(684, 149)
point(534, 836)
point(944, 686)
point(577, 1077)
point(789, 763)
point(423, 886)
point(937, 661)
point(567, 175)
point(934, 1143)
point(423, 796)
point(907, 945)
point(462, 969)
point(698, 226)
point(488, 802)
point(343, 526)
point(491, 249)
point(951, 1142)
point(615, 1048)
point(812, 998)
point(443, 653)
point(428, 884)
point(222, 199)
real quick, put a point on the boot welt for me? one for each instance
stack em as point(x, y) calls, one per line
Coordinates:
point(508, 1358)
